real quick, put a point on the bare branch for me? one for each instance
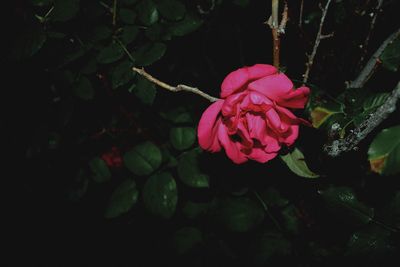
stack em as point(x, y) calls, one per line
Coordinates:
point(375, 14)
point(373, 63)
point(318, 39)
point(114, 12)
point(282, 25)
point(336, 147)
point(178, 88)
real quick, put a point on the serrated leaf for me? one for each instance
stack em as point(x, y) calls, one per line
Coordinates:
point(122, 74)
point(41, 2)
point(28, 43)
point(268, 247)
point(193, 210)
point(84, 89)
point(147, 12)
point(185, 239)
point(391, 55)
point(127, 15)
point(158, 32)
point(129, 34)
point(369, 243)
point(101, 172)
point(375, 101)
point(65, 9)
point(182, 137)
point(110, 54)
point(240, 214)
point(143, 159)
point(343, 202)
point(99, 33)
point(149, 53)
point(145, 91)
point(297, 164)
point(122, 199)
point(189, 171)
point(384, 151)
point(171, 9)
point(160, 195)
point(319, 115)
point(189, 24)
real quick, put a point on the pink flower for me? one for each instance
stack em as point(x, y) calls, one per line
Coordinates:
point(252, 120)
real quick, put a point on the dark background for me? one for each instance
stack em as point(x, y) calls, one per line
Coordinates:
point(45, 228)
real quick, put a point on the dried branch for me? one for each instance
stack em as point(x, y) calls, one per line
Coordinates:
point(336, 147)
point(301, 13)
point(373, 63)
point(318, 39)
point(377, 11)
point(277, 29)
point(178, 88)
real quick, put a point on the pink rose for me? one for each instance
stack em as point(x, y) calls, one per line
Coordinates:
point(252, 120)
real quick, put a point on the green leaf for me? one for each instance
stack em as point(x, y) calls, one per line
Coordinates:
point(128, 2)
point(178, 115)
point(268, 248)
point(185, 239)
point(122, 74)
point(79, 187)
point(158, 32)
point(127, 15)
point(192, 210)
point(391, 55)
point(240, 214)
point(343, 202)
point(291, 219)
point(65, 9)
point(297, 164)
point(189, 171)
point(84, 89)
point(89, 67)
point(369, 243)
point(171, 9)
point(143, 159)
point(101, 172)
point(99, 33)
point(182, 137)
point(129, 34)
point(145, 91)
point(110, 54)
point(149, 53)
point(375, 101)
point(41, 2)
point(147, 12)
point(384, 151)
point(189, 24)
point(160, 195)
point(72, 56)
point(241, 3)
point(321, 114)
point(122, 199)
point(29, 42)
point(274, 198)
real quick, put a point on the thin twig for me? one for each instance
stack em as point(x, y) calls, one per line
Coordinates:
point(373, 63)
point(318, 39)
point(377, 11)
point(275, 221)
point(301, 13)
point(114, 17)
point(178, 88)
point(336, 147)
point(282, 25)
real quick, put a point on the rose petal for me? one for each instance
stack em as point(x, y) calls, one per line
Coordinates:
point(290, 136)
point(295, 98)
point(229, 108)
point(234, 81)
point(274, 120)
point(275, 86)
point(260, 155)
point(288, 117)
point(205, 132)
point(260, 70)
point(232, 149)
